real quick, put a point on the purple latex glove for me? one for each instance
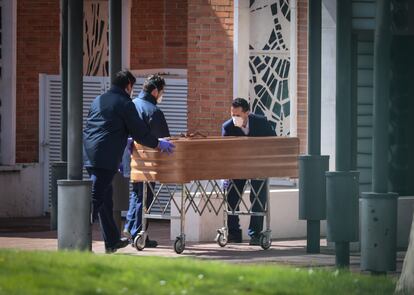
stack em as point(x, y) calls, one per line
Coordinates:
point(130, 144)
point(226, 184)
point(165, 146)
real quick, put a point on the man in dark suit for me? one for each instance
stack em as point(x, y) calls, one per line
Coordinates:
point(112, 117)
point(146, 105)
point(243, 123)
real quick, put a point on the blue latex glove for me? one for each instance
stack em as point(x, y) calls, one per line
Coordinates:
point(165, 146)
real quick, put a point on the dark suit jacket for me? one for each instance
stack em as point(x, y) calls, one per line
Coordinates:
point(152, 115)
point(112, 117)
point(258, 126)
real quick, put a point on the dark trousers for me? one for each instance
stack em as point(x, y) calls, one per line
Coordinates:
point(256, 222)
point(102, 204)
point(134, 217)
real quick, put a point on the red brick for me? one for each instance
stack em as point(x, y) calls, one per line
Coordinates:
point(37, 52)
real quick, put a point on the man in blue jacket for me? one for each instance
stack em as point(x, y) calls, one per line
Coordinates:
point(243, 123)
point(112, 117)
point(146, 105)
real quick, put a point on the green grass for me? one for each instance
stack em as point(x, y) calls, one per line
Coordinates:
point(83, 273)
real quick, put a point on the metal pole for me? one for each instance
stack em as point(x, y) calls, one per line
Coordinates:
point(314, 110)
point(64, 76)
point(379, 208)
point(381, 97)
point(343, 110)
point(74, 194)
point(314, 77)
point(59, 169)
point(75, 88)
point(343, 85)
point(115, 37)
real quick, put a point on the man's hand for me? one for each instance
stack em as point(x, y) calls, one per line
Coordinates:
point(165, 146)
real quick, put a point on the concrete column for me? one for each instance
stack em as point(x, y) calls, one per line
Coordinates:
point(293, 74)
point(115, 37)
point(241, 50)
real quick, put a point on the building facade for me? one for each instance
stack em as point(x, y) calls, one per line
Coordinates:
point(190, 39)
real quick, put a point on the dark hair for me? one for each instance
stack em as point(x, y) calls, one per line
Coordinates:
point(241, 103)
point(123, 78)
point(152, 82)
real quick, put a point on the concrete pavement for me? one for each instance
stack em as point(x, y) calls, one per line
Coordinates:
point(34, 234)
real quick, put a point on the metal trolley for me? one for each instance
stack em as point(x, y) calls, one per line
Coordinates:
point(183, 197)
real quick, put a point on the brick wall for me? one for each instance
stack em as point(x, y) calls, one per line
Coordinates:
point(302, 83)
point(158, 34)
point(210, 64)
point(37, 52)
point(176, 33)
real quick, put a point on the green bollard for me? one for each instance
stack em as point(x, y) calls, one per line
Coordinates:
point(342, 202)
point(312, 196)
point(379, 231)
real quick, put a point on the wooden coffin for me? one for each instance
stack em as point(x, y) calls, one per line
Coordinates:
point(217, 158)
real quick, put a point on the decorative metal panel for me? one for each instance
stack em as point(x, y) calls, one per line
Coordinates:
point(96, 38)
point(269, 62)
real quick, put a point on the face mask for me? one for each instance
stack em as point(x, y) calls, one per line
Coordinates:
point(159, 99)
point(237, 121)
point(132, 94)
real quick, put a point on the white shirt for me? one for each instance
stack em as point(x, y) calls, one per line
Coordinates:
point(246, 129)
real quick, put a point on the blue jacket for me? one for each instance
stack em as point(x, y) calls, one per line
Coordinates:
point(147, 109)
point(258, 126)
point(112, 117)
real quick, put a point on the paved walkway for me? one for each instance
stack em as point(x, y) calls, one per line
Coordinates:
point(34, 234)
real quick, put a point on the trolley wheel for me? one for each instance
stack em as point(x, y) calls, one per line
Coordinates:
point(265, 241)
point(179, 245)
point(139, 242)
point(221, 240)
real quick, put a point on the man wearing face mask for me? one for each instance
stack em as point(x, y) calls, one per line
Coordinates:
point(112, 117)
point(147, 107)
point(243, 123)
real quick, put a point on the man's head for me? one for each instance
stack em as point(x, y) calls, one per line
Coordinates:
point(155, 85)
point(240, 110)
point(124, 80)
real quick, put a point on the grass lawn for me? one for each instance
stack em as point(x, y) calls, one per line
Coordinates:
point(84, 273)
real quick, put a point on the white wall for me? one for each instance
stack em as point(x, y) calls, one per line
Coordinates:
point(285, 223)
point(21, 191)
point(328, 81)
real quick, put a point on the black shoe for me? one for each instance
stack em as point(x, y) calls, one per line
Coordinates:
point(254, 241)
point(122, 243)
point(150, 243)
point(235, 236)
